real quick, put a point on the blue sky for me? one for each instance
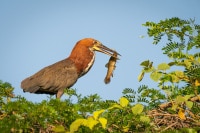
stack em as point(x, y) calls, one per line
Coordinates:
point(35, 34)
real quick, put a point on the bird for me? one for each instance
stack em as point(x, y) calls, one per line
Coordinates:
point(55, 78)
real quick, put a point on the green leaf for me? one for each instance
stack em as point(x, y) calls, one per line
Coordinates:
point(188, 96)
point(155, 76)
point(97, 113)
point(90, 122)
point(137, 109)
point(180, 99)
point(126, 128)
point(148, 70)
point(123, 101)
point(59, 129)
point(189, 104)
point(145, 63)
point(103, 122)
point(175, 79)
point(163, 66)
point(187, 63)
point(197, 82)
point(145, 119)
point(179, 74)
point(140, 77)
point(172, 63)
point(115, 106)
point(76, 124)
point(174, 107)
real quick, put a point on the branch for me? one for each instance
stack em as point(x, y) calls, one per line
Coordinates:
point(169, 104)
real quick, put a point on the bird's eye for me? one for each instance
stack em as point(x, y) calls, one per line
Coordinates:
point(94, 42)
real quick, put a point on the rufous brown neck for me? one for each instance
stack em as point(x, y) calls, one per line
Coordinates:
point(83, 58)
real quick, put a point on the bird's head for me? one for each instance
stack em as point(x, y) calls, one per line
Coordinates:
point(94, 45)
point(83, 53)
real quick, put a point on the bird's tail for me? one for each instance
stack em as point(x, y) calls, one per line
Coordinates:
point(28, 85)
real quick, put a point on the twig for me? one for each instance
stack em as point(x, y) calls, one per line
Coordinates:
point(196, 98)
point(170, 126)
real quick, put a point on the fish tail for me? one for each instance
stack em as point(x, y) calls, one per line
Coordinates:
point(107, 80)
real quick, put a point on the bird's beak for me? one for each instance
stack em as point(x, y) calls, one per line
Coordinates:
point(103, 49)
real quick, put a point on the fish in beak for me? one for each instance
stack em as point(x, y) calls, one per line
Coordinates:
point(98, 46)
point(111, 65)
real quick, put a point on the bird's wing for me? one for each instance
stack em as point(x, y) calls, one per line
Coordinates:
point(50, 79)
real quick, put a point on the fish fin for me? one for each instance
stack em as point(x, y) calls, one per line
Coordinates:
point(106, 65)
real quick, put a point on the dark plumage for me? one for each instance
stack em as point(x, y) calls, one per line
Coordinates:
point(52, 79)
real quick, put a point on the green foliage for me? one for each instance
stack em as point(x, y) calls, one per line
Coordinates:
point(183, 36)
point(177, 88)
point(89, 114)
point(119, 117)
point(6, 92)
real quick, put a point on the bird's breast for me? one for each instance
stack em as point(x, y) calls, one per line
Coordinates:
point(89, 65)
point(83, 60)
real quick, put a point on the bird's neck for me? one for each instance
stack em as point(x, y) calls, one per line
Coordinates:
point(83, 61)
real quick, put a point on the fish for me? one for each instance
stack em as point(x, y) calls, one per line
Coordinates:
point(111, 65)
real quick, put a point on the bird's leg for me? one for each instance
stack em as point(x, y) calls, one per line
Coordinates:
point(59, 93)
